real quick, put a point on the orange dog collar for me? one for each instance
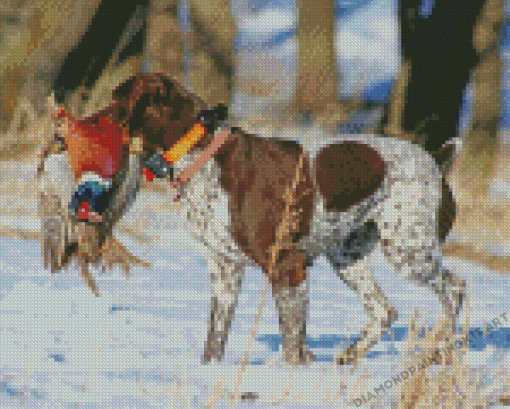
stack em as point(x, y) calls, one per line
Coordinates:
point(185, 144)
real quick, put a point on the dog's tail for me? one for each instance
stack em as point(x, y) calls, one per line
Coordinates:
point(445, 154)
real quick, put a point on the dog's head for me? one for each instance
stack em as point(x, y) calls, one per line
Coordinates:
point(156, 108)
point(167, 117)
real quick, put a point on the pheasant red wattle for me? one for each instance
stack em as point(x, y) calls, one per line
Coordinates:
point(83, 211)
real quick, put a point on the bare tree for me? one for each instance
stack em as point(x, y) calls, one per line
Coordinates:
point(480, 147)
point(317, 93)
point(441, 47)
point(36, 36)
point(317, 62)
point(210, 40)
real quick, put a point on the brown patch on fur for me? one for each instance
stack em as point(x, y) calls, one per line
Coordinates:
point(347, 173)
point(257, 172)
point(290, 268)
point(447, 212)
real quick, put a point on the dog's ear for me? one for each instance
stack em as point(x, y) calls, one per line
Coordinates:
point(123, 92)
point(165, 111)
point(132, 97)
point(127, 95)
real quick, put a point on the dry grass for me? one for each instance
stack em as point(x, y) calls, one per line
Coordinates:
point(23, 141)
point(20, 234)
point(483, 220)
point(424, 390)
point(456, 385)
point(497, 263)
point(101, 95)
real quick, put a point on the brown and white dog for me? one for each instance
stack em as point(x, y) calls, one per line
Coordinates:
point(353, 192)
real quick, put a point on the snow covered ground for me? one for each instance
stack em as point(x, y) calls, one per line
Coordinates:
point(139, 344)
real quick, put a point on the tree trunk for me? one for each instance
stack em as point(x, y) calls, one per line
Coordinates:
point(211, 38)
point(316, 92)
point(317, 62)
point(480, 147)
point(438, 55)
point(395, 114)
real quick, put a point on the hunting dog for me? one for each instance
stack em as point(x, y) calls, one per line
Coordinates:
point(350, 193)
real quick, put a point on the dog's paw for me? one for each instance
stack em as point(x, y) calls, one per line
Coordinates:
point(348, 357)
point(211, 356)
point(301, 357)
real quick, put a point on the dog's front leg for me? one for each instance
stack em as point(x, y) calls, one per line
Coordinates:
point(226, 279)
point(292, 303)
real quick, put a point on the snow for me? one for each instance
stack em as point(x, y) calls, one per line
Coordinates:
point(140, 343)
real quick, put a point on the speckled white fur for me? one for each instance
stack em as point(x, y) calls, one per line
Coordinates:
point(206, 207)
point(405, 209)
point(410, 171)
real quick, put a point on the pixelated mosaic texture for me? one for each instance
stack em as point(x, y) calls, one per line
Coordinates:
point(155, 323)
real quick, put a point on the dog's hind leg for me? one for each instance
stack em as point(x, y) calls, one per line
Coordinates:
point(411, 242)
point(226, 279)
point(424, 267)
point(451, 290)
point(353, 254)
point(349, 258)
